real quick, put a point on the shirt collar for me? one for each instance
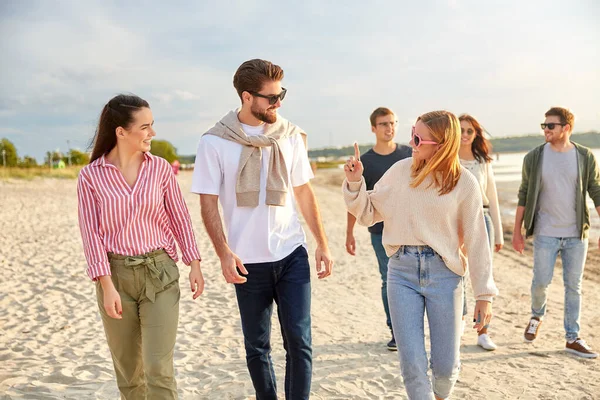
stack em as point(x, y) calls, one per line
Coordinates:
point(102, 160)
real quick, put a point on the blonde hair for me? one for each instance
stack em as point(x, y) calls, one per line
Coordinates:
point(444, 166)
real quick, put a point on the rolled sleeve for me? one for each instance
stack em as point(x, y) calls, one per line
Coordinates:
point(180, 220)
point(93, 247)
point(98, 269)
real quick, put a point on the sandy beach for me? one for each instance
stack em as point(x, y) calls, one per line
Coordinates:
point(52, 343)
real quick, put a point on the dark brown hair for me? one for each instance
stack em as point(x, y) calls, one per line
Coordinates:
point(481, 147)
point(566, 116)
point(118, 112)
point(253, 74)
point(379, 112)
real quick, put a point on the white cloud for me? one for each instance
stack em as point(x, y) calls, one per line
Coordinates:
point(63, 61)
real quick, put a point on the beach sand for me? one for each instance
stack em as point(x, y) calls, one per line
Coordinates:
point(52, 343)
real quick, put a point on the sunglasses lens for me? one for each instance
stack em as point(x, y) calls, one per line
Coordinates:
point(282, 94)
point(416, 140)
point(551, 126)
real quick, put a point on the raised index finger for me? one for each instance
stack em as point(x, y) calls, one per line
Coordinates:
point(356, 152)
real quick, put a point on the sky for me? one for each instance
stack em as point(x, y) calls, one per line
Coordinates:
point(505, 62)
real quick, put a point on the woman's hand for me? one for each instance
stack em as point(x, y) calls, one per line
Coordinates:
point(111, 298)
point(354, 167)
point(482, 315)
point(196, 279)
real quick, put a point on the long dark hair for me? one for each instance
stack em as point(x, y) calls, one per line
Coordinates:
point(117, 112)
point(481, 147)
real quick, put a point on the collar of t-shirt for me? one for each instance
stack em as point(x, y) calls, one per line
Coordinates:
point(253, 130)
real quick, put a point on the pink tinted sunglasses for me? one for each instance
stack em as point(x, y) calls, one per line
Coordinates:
point(418, 141)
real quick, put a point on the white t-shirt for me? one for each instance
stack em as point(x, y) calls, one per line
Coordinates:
point(255, 234)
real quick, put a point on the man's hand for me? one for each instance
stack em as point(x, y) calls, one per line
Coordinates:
point(350, 244)
point(196, 279)
point(518, 242)
point(230, 263)
point(324, 262)
point(498, 247)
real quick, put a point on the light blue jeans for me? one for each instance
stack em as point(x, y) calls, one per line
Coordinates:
point(419, 282)
point(573, 252)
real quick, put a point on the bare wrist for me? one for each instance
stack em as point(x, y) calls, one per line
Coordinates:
point(106, 282)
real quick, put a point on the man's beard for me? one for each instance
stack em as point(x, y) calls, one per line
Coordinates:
point(263, 116)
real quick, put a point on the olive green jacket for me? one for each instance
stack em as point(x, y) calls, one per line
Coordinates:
point(588, 181)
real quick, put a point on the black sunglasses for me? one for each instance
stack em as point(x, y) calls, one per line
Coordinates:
point(273, 98)
point(551, 125)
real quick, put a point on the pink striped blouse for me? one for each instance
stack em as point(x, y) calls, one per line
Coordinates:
point(113, 217)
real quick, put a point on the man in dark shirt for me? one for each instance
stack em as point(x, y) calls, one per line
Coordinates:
point(376, 162)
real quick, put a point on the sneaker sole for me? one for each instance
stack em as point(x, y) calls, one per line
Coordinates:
point(528, 341)
point(487, 348)
point(392, 348)
point(583, 355)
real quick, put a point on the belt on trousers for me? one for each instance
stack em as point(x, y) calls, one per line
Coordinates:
point(153, 282)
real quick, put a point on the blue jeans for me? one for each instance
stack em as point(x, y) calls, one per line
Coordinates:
point(287, 282)
point(382, 260)
point(489, 227)
point(419, 282)
point(573, 252)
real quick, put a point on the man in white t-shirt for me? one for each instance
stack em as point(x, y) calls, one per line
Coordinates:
point(255, 163)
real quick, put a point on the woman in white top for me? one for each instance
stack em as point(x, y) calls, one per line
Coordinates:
point(433, 218)
point(474, 156)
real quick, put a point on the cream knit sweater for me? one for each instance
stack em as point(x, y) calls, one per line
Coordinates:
point(420, 216)
point(484, 174)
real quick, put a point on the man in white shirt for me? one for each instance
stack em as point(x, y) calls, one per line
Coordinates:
point(255, 163)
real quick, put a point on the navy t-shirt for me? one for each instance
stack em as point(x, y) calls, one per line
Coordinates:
point(375, 165)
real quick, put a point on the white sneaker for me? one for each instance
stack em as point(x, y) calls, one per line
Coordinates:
point(485, 342)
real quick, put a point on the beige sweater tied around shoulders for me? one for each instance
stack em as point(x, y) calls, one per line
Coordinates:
point(248, 174)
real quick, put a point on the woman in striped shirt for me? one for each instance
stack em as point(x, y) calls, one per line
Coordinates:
point(131, 212)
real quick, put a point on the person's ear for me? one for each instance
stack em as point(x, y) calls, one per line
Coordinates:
point(246, 97)
point(120, 132)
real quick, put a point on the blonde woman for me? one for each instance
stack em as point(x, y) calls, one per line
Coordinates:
point(474, 156)
point(433, 217)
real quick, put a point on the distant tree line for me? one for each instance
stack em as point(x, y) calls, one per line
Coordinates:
point(525, 143)
point(166, 150)
point(161, 148)
point(513, 144)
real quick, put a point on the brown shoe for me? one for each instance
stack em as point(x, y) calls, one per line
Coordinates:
point(532, 329)
point(580, 348)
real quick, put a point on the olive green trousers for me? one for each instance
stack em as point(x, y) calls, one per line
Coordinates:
point(142, 343)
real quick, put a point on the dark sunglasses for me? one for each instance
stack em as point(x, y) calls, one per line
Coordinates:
point(551, 125)
point(273, 98)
